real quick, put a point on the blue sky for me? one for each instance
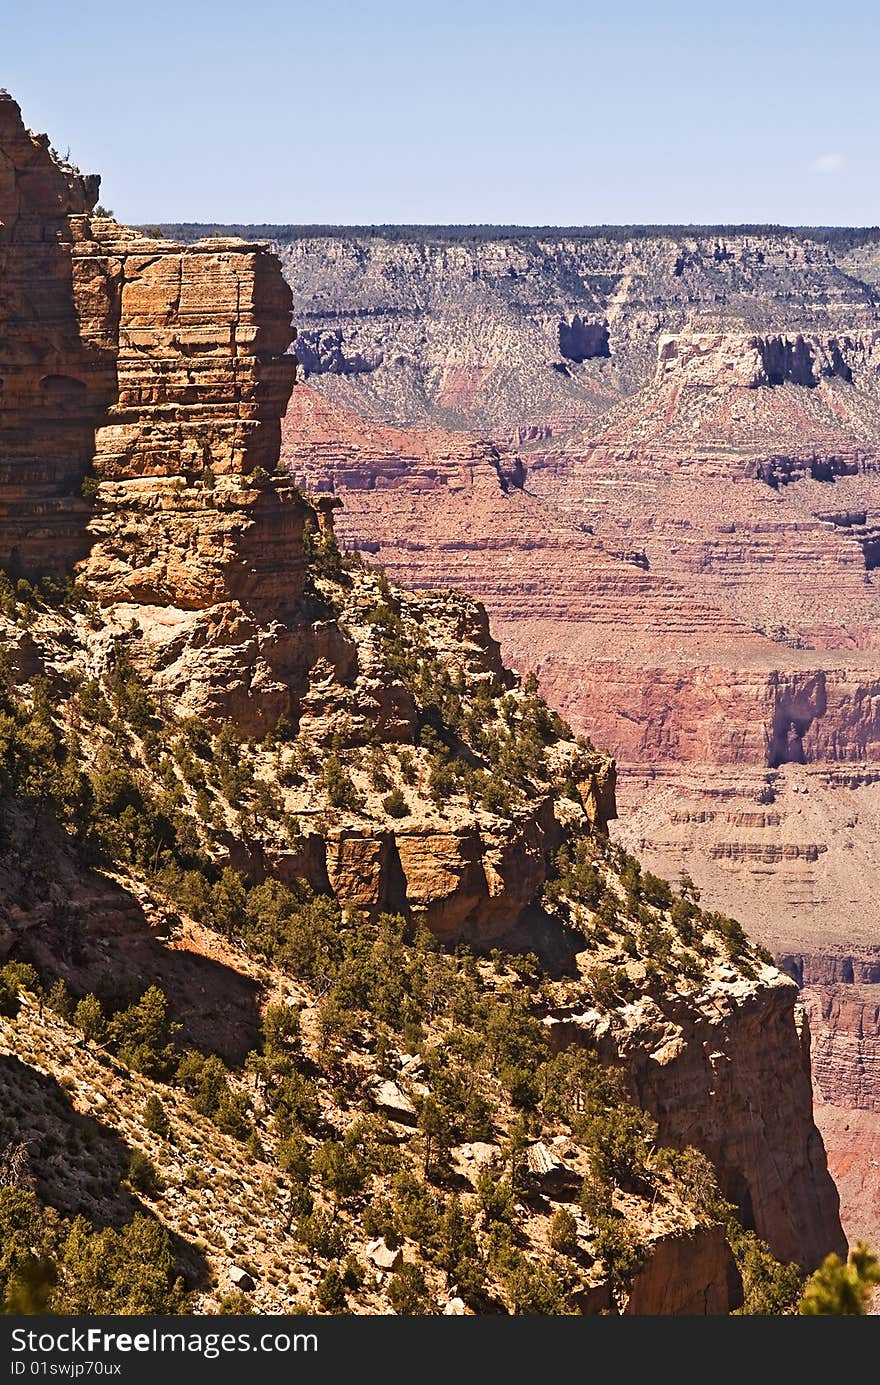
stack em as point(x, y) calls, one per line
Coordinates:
point(487, 111)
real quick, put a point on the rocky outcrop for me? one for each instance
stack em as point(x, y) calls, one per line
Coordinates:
point(714, 360)
point(545, 330)
point(846, 1048)
point(841, 995)
point(690, 1274)
point(159, 370)
point(57, 381)
point(323, 353)
point(157, 542)
point(722, 715)
point(732, 1078)
point(464, 883)
point(202, 382)
point(581, 341)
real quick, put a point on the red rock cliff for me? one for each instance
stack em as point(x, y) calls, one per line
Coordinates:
point(54, 383)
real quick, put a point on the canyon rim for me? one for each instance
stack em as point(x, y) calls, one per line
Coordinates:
point(333, 981)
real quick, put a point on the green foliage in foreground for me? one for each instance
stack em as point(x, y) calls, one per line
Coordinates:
point(770, 1288)
point(838, 1288)
point(51, 1265)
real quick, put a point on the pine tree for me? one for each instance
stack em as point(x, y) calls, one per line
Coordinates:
point(156, 1117)
point(331, 1293)
point(837, 1288)
point(89, 1017)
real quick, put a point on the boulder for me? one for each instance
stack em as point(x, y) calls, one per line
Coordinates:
point(455, 1308)
point(388, 1097)
point(382, 1256)
point(241, 1279)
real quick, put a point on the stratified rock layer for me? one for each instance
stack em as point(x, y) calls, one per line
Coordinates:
point(160, 370)
point(55, 383)
point(734, 1080)
point(197, 560)
point(527, 336)
point(682, 539)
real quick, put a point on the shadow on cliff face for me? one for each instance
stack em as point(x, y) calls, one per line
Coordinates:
point(77, 1163)
point(555, 946)
point(72, 921)
point(57, 354)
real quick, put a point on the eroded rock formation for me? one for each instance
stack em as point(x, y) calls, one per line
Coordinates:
point(57, 381)
point(269, 695)
point(543, 331)
point(751, 1051)
point(681, 539)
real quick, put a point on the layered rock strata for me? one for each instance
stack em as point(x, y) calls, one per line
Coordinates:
point(57, 380)
point(749, 1049)
point(693, 578)
point(338, 674)
point(535, 333)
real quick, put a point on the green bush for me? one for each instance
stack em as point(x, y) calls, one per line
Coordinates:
point(330, 1293)
point(235, 1304)
point(770, 1287)
point(620, 1141)
point(532, 1288)
point(144, 1035)
point(320, 1235)
point(10, 1001)
point(59, 999)
point(89, 1017)
point(837, 1288)
point(129, 1271)
point(339, 785)
point(564, 1232)
point(50, 1265)
point(617, 1244)
point(143, 1174)
point(408, 1290)
point(21, 976)
point(156, 1117)
point(395, 805)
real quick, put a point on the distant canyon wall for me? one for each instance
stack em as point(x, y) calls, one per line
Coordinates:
point(663, 479)
point(517, 335)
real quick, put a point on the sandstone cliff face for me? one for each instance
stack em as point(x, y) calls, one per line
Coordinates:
point(56, 383)
point(841, 995)
point(734, 1080)
point(161, 371)
point(688, 1275)
point(725, 359)
point(187, 528)
point(202, 383)
point(201, 579)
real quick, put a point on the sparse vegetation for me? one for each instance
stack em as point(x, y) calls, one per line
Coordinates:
point(291, 1139)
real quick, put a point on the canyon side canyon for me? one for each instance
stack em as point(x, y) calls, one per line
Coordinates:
point(252, 787)
point(653, 457)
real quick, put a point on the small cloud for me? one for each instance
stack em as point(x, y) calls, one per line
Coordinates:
point(828, 163)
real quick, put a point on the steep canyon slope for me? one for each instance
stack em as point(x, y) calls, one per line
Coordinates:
point(664, 486)
point(250, 792)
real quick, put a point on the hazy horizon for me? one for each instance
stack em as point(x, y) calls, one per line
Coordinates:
point(591, 228)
